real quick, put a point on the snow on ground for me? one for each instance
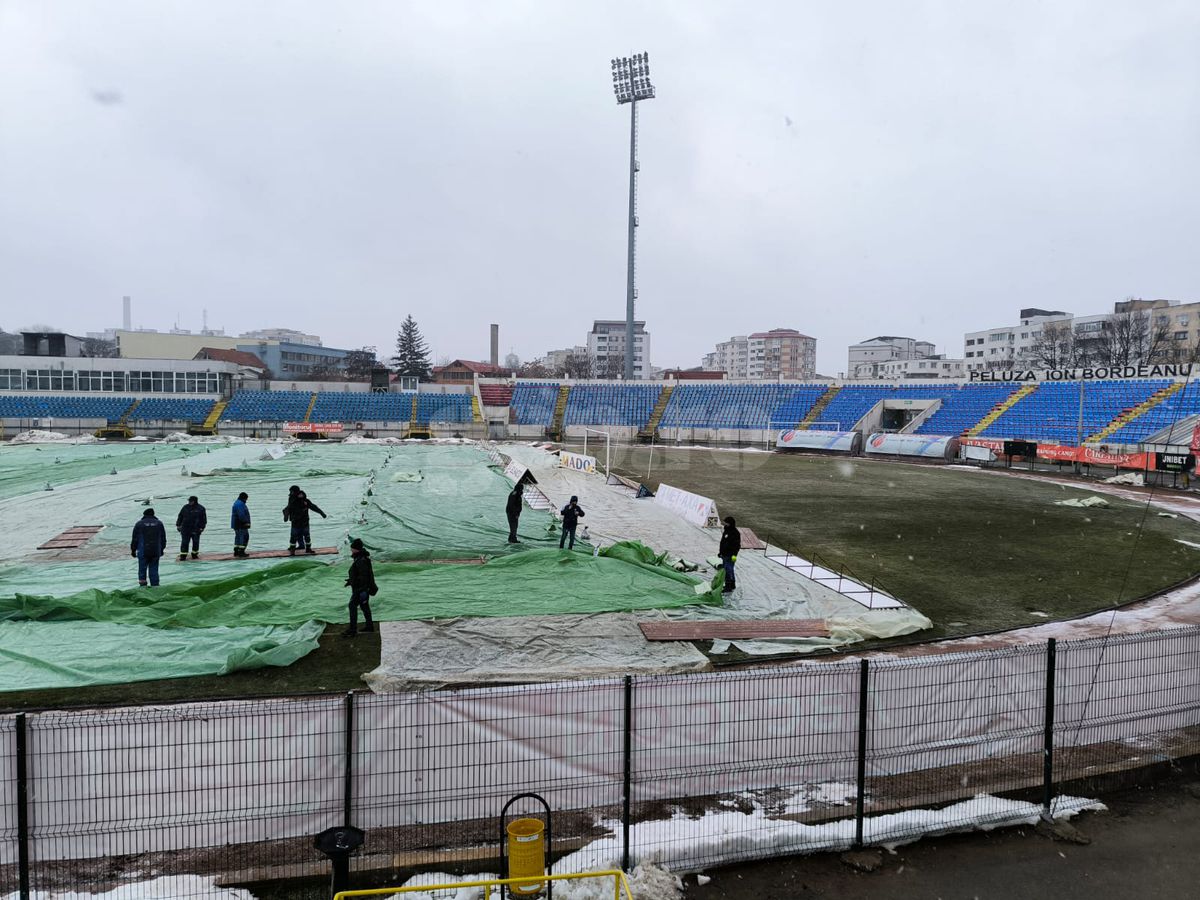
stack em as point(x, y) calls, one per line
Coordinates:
point(173, 887)
point(667, 848)
point(645, 883)
point(36, 436)
point(723, 837)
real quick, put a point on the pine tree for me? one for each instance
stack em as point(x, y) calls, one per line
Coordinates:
point(412, 354)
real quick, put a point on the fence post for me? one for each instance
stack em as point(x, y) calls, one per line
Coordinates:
point(22, 809)
point(1048, 737)
point(348, 751)
point(860, 801)
point(628, 767)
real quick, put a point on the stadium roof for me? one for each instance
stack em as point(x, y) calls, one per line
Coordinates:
point(237, 357)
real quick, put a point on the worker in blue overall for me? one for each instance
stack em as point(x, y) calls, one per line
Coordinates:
point(148, 545)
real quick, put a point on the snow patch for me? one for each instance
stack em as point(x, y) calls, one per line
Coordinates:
point(37, 436)
point(173, 887)
point(720, 837)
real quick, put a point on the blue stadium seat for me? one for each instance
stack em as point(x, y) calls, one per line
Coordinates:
point(740, 406)
point(181, 409)
point(611, 404)
point(267, 406)
point(1051, 413)
point(533, 403)
point(64, 407)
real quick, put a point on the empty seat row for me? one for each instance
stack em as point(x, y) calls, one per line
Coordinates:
point(739, 406)
point(25, 406)
point(268, 406)
point(178, 409)
point(611, 404)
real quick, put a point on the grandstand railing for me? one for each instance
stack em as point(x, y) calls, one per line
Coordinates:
point(766, 761)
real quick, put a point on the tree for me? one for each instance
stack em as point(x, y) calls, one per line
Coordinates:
point(533, 369)
point(578, 365)
point(99, 348)
point(1129, 339)
point(360, 363)
point(610, 366)
point(412, 354)
point(1055, 347)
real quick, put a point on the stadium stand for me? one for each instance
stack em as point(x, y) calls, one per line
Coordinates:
point(853, 402)
point(496, 394)
point(611, 404)
point(1171, 411)
point(361, 407)
point(1051, 413)
point(268, 406)
point(533, 403)
point(738, 405)
point(182, 409)
point(444, 408)
point(75, 407)
point(963, 407)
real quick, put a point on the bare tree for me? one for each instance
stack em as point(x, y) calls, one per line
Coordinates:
point(360, 363)
point(533, 369)
point(610, 366)
point(578, 365)
point(1055, 347)
point(1129, 339)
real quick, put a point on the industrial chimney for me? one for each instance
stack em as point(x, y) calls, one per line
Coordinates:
point(127, 317)
point(495, 345)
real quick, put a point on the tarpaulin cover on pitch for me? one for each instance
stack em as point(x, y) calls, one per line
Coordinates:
point(410, 504)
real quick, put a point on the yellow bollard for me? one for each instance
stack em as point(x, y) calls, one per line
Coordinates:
point(526, 854)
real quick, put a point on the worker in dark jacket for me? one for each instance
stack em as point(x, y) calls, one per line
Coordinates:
point(239, 521)
point(361, 582)
point(731, 543)
point(296, 512)
point(148, 545)
point(190, 523)
point(571, 514)
point(513, 510)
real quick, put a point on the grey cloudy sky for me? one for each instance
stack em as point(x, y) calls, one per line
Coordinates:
point(848, 169)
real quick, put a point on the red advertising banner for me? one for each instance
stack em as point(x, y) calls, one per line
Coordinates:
point(1195, 439)
point(310, 427)
point(1091, 456)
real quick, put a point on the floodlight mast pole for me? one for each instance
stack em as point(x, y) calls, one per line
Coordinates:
point(630, 289)
point(631, 83)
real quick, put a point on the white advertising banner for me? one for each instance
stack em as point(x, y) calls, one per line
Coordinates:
point(696, 509)
point(929, 446)
point(514, 470)
point(817, 440)
point(577, 461)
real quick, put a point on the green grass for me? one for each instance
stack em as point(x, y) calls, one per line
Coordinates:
point(336, 665)
point(974, 551)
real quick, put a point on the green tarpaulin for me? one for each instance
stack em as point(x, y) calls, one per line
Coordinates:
point(73, 654)
point(537, 582)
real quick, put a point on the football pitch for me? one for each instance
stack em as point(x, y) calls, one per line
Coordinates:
point(973, 550)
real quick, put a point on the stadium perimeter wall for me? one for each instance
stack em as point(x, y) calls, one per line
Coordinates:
point(921, 731)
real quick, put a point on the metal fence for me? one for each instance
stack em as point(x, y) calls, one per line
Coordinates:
point(691, 771)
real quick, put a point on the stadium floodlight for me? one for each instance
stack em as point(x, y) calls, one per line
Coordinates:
point(631, 83)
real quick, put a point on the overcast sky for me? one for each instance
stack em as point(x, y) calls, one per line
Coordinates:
point(848, 169)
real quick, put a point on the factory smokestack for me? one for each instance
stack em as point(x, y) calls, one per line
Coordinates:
point(495, 345)
point(127, 315)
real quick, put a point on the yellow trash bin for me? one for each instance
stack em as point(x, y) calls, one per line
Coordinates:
point(526, 854)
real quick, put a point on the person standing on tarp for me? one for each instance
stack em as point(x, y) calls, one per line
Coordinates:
point(296, 512)
point(148, 545)
point(361, 582)
point(190, 523)
point(513, 510)
point(571, 514)
point(731, 543)
point(239, 521)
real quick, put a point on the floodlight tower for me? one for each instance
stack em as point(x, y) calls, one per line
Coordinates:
point(631, 83)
